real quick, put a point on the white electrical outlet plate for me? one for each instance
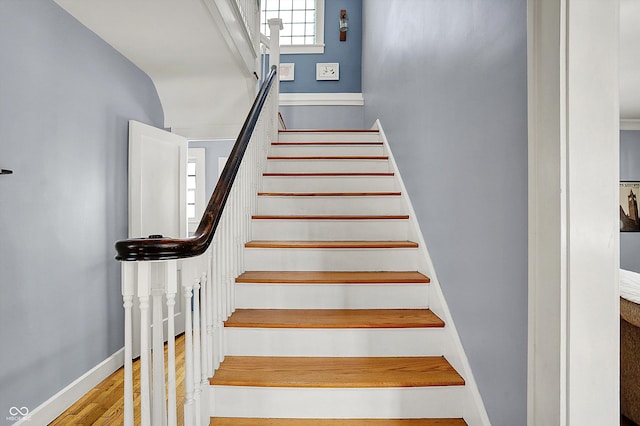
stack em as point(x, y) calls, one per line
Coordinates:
point(328, 71)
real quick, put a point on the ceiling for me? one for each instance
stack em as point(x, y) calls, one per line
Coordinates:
point(182, 46)
point(630, 59)
point(179, 44)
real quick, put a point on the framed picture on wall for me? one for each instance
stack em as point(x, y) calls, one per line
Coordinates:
point(629, 220)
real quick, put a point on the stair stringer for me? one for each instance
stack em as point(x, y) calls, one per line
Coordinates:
point(473, 408)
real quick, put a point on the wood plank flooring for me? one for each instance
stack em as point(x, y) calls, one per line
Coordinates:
point(104, 404)
point(334, 318)
point(336, 372)
point(333, 277)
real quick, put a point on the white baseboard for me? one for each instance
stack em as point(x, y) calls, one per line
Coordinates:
point(349, 99)
point(58, 403)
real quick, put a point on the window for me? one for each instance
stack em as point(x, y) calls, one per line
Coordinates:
point(302, 21)
point(195, 187)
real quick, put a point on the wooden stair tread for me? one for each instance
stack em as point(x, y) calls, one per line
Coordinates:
point(328, 131)
point(243, 421)
point(293, 143)
point(334, 318)
point(330, 244)
point(329, 157)
point(328, 194)
point(336, 372)
point(329, 217)
point(327, 174)
point(333, 277)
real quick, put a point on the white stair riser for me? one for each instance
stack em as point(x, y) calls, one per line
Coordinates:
point(308, 259)
point(331, 296)
point(334, 342)
point(421, 402)
point(341, 205)
point(329, 137)
point(281, 166)
point(289, 229)
point(343, 149)
point(328, 184)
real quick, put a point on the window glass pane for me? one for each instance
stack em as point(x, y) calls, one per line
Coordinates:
point(270, 15)
point(191, 196)
point(286, 18)
point(271, 4)
point(311, 16)
point(191, 168)
point(285, 40)
point(191, 210)
point(310, 40)
point(286, 31)
point(191, 181)
point(298, 16)
point(311, 4)
point(297, 40)
point(311, 30)
point(297, 30)
point(286, 4)
point(299, 4)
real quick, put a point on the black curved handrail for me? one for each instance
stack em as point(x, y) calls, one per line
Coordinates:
point(157, 247)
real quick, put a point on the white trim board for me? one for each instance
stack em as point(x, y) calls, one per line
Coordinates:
point(299, 99)
point(630, 124)
point(49, 410)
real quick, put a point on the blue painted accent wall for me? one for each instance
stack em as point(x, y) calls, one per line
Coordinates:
point(448, 79)
point(347, 53)
point(65, 101)
point(630, 170)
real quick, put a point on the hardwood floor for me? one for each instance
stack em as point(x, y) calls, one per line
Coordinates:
point(104, 404)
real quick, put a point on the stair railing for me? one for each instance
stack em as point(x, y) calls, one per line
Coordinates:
point(208, 263)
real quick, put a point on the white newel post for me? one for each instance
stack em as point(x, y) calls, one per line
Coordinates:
point(275, 25)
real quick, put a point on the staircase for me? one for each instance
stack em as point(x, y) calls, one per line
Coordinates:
point(337, 321)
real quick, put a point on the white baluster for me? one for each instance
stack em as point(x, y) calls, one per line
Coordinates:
point(145, 382)
point(196, 349)
point(210, 313)
point(204, 307)
point(171, 274)
point(158, 415)
point(188, 356)
point(128, 289)
point(220, 300)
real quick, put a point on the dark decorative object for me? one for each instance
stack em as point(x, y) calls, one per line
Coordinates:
point(629, 218)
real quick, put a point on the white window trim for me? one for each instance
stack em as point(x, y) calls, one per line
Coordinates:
point(318, 47)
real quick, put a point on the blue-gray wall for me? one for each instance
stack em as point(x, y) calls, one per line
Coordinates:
point(65, 101)
point(323, 117)
point(448, 81)
point(630, 170)
point(348, 54)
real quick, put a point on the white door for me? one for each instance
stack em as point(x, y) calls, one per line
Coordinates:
point(157, 199)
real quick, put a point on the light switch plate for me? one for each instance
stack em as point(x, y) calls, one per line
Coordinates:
point(328, 71)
